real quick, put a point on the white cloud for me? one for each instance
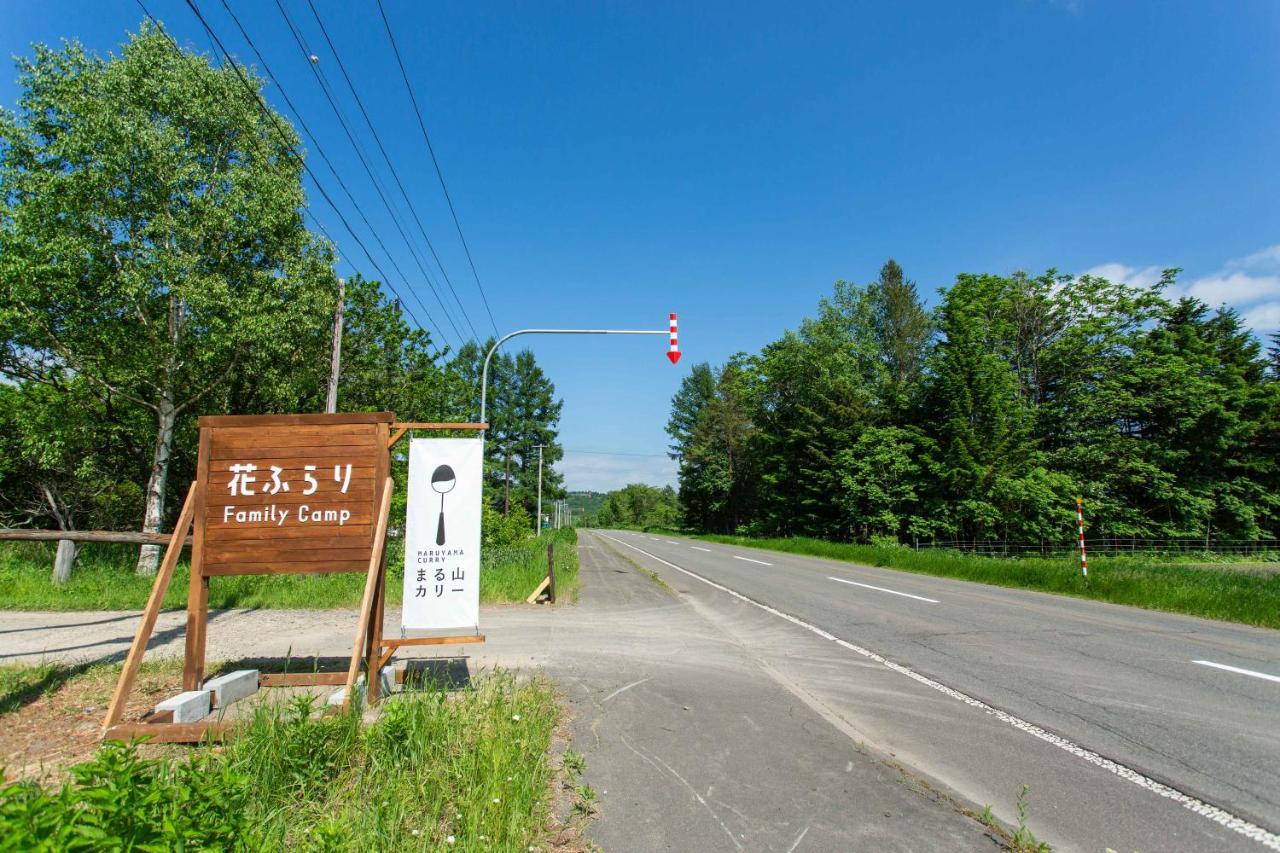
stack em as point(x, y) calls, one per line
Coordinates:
point(1236, 288)
point(1250, 284)
point(1264, 317)
point(1125, 274)
point(604, 472)
point(1268, 257)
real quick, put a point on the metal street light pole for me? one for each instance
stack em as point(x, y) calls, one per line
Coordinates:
point(673, 355)
point(484, 372)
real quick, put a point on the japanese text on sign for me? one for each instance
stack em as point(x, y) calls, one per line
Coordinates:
point(442, 535)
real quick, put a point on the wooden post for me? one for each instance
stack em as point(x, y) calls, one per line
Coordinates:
point(551, 572)
point(374, 665)
point(198, 584)
point(148, 624)
point(370, 589)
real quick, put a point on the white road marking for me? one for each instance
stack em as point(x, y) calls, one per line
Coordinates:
point(1237, 669)
point(1218, 815)
point(749, 560)
point(654, 539)
point(882, 589)
point(696, 548)
point(671, 541)
point(625, 688)
point(792, 848)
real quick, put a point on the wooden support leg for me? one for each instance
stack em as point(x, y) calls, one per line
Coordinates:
point(148, 624)
point(197, 629)
point(370, 591)
point(375, 635)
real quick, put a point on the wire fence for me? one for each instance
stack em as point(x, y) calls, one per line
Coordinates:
point(1267, 549)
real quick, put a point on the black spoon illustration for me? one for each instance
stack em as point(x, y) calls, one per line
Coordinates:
point(442, 481)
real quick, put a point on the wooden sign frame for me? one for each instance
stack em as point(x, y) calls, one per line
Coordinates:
point(217, 550)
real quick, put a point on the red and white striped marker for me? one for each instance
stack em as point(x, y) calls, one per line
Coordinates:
point(1084, 563)
point(674, 352)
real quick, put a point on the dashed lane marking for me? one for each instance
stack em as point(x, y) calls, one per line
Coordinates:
point(882, 589)
point(1220, 816)
point(1238, 670)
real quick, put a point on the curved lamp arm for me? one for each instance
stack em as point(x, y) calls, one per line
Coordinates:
point(484, 373)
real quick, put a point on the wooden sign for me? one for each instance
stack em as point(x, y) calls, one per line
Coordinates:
point(280, 494)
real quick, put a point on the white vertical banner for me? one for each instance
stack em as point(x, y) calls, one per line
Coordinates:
point(442, 535)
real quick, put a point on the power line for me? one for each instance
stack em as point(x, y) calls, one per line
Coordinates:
point(323, 81)
point(319, 150)
point(298, 157)
point(616, 453)
point(439, 174)
point(394, 174)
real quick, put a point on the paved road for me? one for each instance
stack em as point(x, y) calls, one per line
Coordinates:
point(1114, 716)
point(692, 741)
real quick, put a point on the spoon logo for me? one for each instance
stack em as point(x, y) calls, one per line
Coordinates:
point(442, 482)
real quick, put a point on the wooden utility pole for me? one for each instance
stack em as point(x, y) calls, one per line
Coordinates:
point(506, 483)
point(335, 357)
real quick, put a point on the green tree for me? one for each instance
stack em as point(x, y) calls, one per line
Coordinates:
point(818, 389)
point(696, 390)
point(67, 461)
point(882, 483)
point(717, 470)
point(151, 236)
point(638, 505)
point(902, 329)
point(986, 382)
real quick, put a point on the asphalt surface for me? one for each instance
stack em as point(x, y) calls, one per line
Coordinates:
point(691, 741)
point(754, 703)
point(981, 689)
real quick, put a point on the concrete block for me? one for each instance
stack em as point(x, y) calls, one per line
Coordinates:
point(232, 687)
point(389, 684)
point(336, 697)
point(189, 707)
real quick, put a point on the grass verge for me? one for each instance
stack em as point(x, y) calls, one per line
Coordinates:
point(1138, 581)
point(104, 579)
point(437, 770)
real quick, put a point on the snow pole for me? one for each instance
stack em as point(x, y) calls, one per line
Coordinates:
point(1084, 562)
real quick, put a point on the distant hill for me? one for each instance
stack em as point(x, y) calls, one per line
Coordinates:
point(584, 503)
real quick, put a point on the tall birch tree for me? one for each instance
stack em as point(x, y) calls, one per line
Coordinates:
point(151, 235)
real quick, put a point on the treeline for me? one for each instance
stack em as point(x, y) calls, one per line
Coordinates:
point(984, 418)
point(637, 505)
point(155, 266)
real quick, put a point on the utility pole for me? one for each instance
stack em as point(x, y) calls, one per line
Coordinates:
point(506, 483)
point(335, 358)
point(537, 523)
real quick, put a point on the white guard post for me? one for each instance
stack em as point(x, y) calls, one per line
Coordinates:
point(442, 535)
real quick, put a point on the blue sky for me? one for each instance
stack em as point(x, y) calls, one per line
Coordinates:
point(612, 162)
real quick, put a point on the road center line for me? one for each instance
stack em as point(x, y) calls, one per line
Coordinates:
point(1220, 816)
point(1237, 669)
point(882, 589)
point(696, 548)
point(749, 560)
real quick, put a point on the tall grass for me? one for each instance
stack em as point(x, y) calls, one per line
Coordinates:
point(104, 579)
point(437, 770)
point(512, 572)
point(1196, 590)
